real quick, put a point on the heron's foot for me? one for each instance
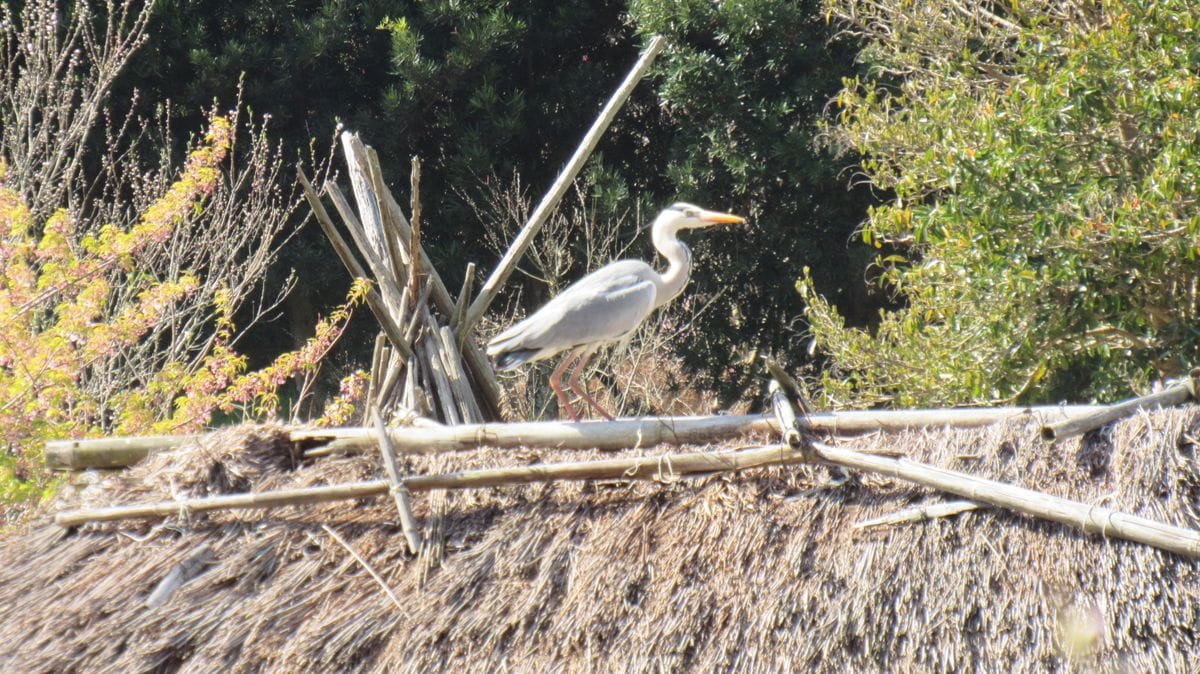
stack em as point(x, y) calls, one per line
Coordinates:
point(579, 390)
point(564, 402)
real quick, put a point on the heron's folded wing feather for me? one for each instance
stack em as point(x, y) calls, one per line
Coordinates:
point(603, 306)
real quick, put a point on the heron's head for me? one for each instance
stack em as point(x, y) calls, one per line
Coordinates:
point(688, 216)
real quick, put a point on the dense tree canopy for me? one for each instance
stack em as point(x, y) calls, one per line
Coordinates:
point(1045, 228)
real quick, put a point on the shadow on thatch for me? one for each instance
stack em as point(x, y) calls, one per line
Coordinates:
point(761, 571)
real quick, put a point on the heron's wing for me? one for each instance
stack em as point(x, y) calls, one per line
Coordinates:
point(602, 306)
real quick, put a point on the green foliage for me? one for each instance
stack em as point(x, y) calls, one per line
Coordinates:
point(1044, 231)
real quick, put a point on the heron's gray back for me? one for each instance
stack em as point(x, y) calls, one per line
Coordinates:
point(603, 306)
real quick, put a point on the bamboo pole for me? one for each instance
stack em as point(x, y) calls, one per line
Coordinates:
point(649, 431)
point(509, 262)
point(107, 452)
point(920, 513)
point(415, 221)
point(641, 467)
point(604, 435)
point(408, 521)
point(1088, 517)
point(377, 355)
point(1173, 395)
point(623, 433)
point(1091, 518)
point(271, 499)
point(461, 304)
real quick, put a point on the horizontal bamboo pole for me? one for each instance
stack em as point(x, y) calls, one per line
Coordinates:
point(107, 452)
point(1093, 519)
point(641, 467)
point(605, 435)
point(1090, 518)
point(650, 431)
point(643, 432)
point(270, 499)
point(1173, 395)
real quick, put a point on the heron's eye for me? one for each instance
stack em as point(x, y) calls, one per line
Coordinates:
point(691, 213)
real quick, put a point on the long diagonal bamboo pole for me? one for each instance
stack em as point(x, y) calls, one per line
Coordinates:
point(1093, 519)
point(509, 262)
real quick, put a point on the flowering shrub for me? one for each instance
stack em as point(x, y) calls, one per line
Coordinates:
point(74, 305)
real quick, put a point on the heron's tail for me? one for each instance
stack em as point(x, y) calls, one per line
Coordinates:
point(510, 360)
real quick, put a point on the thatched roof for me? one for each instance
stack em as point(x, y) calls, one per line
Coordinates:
point(761, 571)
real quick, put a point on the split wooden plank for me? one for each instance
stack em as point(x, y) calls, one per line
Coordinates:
point(482, 374)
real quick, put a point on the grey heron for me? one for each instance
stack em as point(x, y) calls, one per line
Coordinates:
point(605, 306)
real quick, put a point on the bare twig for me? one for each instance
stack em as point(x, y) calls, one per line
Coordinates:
point(920, 513)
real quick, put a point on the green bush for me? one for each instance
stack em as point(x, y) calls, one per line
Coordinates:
point(1043, 231)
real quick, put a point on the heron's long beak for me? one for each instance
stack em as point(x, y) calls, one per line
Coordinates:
point(721, 218)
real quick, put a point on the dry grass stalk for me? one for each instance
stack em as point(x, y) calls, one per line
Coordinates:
point(921, 513)
point(365, 565)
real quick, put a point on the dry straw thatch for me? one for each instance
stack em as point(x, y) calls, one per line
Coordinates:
point(762, 571)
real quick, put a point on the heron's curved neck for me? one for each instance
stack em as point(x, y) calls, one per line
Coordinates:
point(679, 263)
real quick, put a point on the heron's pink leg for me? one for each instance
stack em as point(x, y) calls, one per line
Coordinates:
point(578, 387)
point(564, 404)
